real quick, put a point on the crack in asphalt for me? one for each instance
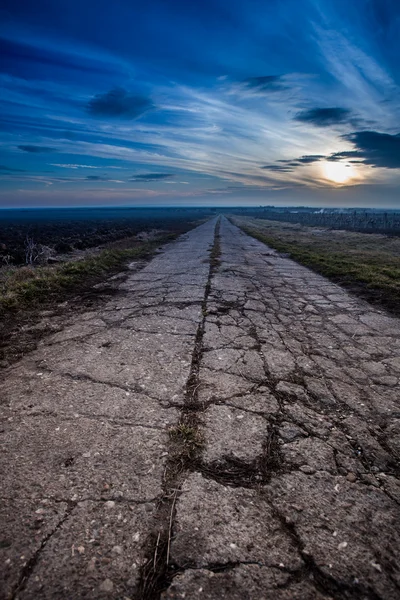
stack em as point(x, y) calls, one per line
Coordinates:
point(29, 567)
point(156, 575)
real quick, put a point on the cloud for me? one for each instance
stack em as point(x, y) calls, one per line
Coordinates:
point(96, 178)
point(265, 83)
point(118, 104)
point(284, 168)
point(310, 158)
point(324, 117)
point(76, 166)
point(377, 149)
point(288, 165)
point(152, 177)
point(36, 149)
point(347, 154)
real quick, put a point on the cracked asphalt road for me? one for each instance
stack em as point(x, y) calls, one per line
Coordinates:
point(289, 387)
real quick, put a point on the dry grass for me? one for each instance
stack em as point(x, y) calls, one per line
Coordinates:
point(22, 287)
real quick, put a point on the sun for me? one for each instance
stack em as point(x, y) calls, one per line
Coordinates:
point(338, 172)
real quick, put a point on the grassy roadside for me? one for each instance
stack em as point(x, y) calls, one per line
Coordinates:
point(27, 287)
point(366, 264)
point(36, 302)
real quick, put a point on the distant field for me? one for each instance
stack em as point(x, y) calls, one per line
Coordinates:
point(365, 263)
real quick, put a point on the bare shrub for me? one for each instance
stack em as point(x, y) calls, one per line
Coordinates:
point(36, 253)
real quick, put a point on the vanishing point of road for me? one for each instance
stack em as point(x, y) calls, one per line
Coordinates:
point(226, 426)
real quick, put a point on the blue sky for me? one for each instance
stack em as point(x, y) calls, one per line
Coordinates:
point(207, 102)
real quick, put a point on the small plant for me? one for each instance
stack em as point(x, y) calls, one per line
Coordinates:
point(187, 438)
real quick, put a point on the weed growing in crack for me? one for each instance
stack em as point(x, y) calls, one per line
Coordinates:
point(187, 440)
point(215, 255)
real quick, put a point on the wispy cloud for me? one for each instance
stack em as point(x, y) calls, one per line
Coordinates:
point(74, 166)
point(359, 75)
point(265, 83)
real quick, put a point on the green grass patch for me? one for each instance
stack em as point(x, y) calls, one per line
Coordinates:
point(367, 264)
point(22, 287)
point(187, 440)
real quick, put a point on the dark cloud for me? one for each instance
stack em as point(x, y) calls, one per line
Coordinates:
point(289, 164)
point(347, 154)
point(96, 178)
point(310, 158)
point(286, 167)
point(10, 169)
point(377, 149)
point(152, 177)
point(324, 117)
point(36, 149)
point(265, 83)
point(118, 104)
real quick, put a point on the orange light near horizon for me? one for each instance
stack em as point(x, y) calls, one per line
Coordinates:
point(339, 172)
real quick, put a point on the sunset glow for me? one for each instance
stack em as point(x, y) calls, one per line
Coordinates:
point(339, 172)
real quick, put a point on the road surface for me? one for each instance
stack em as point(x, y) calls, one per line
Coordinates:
point(227, 426)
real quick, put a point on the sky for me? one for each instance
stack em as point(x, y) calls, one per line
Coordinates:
point(201, 102)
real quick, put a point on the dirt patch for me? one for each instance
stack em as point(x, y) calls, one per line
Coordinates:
point(22, 330)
